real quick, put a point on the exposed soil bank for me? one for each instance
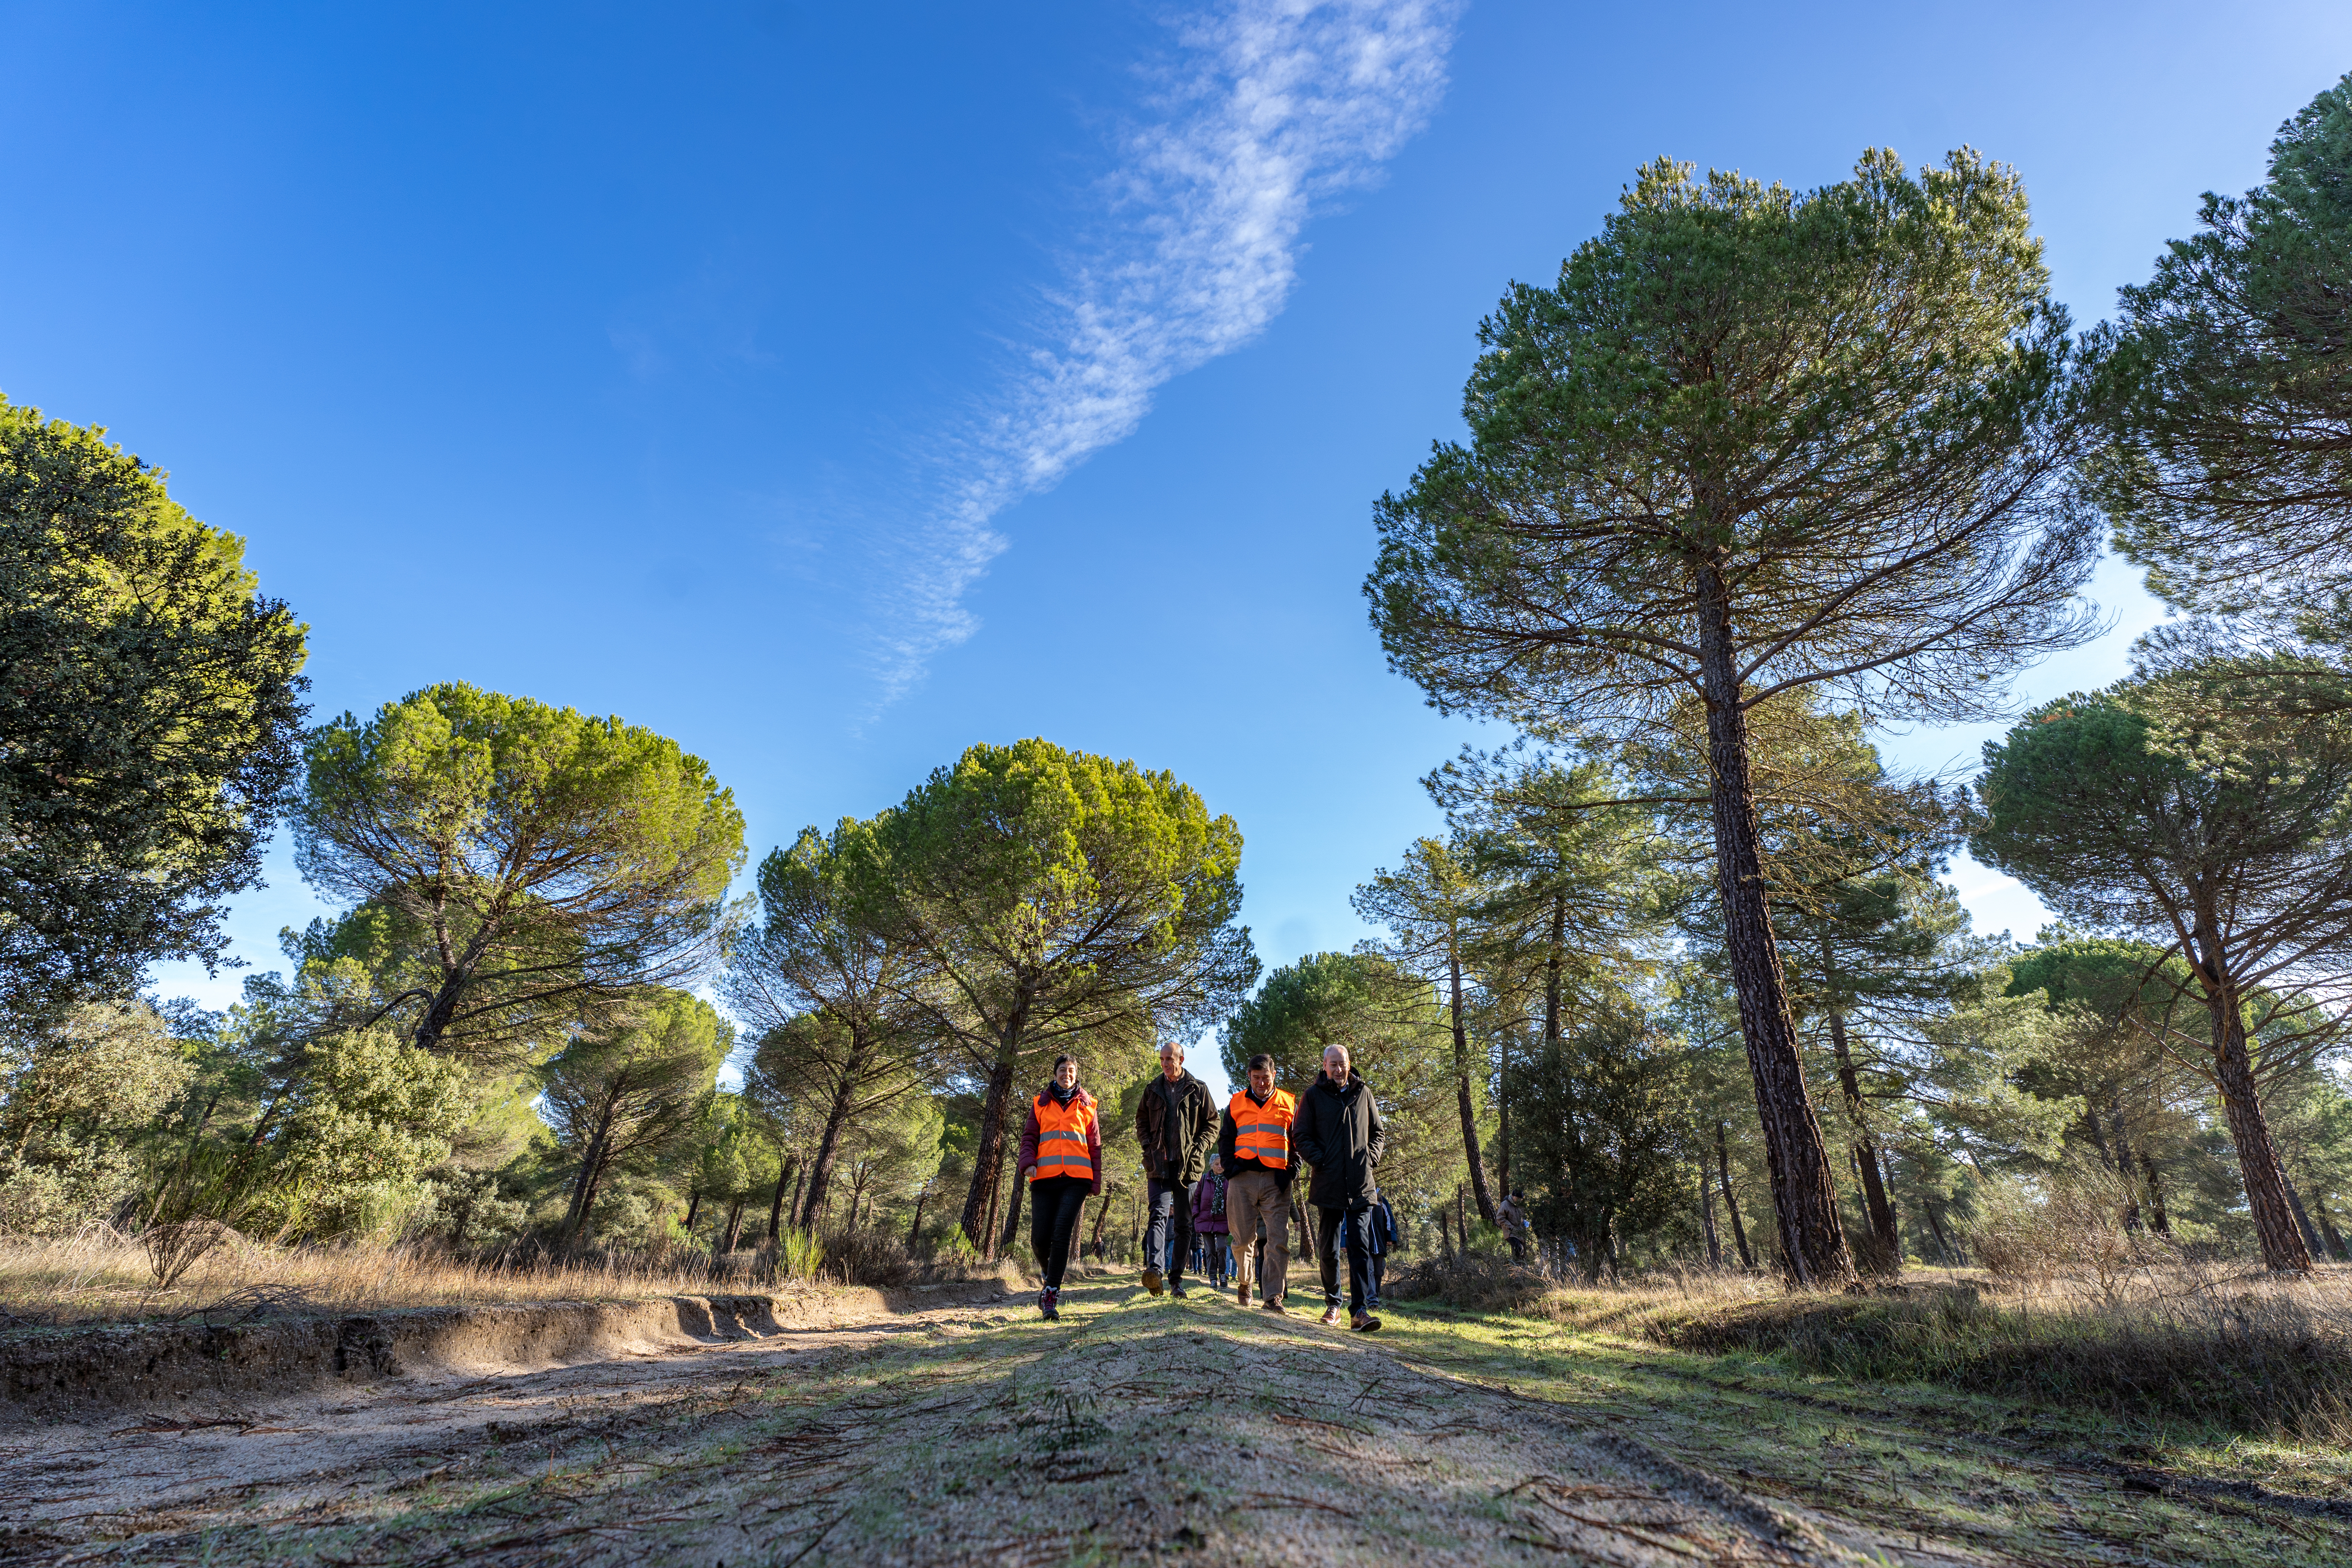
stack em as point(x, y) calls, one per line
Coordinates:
point(63, 1372)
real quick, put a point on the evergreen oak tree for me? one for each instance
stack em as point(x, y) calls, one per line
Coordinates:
point(150, 715)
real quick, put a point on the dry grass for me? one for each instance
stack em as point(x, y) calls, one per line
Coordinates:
point(2222, 1345)
point(100, 1277)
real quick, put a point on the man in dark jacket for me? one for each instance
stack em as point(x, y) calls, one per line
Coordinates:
point(1339, 1133)
point(1176, 1123)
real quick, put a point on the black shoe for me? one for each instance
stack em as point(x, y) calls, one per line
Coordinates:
point(1176, 1288)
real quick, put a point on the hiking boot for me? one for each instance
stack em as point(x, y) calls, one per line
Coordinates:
point(1331, 1315)
point(1152, 1280)
point(1049, 1305)
point(1365, 1323)
point(1176, 1288)
point(1277, 1307)
point(1241, 1295)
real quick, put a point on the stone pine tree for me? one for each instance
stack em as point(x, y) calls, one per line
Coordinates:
point(824, 985)
point(1755, 441)
point(630, 1090)
point(524, 862)
point(2229, 474)
point(2240, 863)
point(1051, 895)
point(151, 708)
point(1428, 904)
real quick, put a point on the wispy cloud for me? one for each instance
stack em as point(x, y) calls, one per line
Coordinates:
point(1273, 107)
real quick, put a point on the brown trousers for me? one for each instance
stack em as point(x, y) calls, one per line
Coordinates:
point(1255, 1200)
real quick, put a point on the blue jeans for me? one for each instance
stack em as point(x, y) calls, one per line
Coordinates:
point(1167, 1237)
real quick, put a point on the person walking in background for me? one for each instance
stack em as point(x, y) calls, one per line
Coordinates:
point(1513, 1213)
point(1061, 1153)
point(1209, 1225)
point(1258, 1160)
point(1175, 1125)
point(1380, 1239)
point(1338, 1130)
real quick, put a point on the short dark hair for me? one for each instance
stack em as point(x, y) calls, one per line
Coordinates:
point(1261, 1062)
point(1064, 1057)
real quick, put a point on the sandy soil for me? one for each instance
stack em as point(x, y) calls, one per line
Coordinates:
point(1137, 1428)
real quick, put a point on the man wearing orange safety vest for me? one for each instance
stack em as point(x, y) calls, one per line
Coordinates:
point(1255, 1150)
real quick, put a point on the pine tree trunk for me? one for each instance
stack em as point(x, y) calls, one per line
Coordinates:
point(1502, 1112)
point(800, 1214)
point(1555, 959)
point(1731, 1204)
point(776, 1206)
point(2124, 1166)
point(1011, 1231)
point(2258, 1163)
point(988, 1157)
point(1936, 1229)
point(693, 1205)
point(915, 1230)
point(2157, 1216)
point(2302, 1218)
point(1462, 1093)
point(1707, 1218)
point(2334, 1238)
point(1882, 1227)
point(734, 1226)
point(836, 1118)
point(1804, 1199)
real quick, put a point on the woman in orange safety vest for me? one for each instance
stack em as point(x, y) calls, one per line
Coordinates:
point(1061, 1153)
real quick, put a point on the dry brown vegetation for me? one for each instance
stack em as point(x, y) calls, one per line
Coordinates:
point(2164, 1337)
point(99, 1276)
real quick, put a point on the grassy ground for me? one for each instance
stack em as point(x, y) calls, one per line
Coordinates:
point(2026, 1482)
point(1144, 1429)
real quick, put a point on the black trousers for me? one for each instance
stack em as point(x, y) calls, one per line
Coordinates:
point(1363, 1290)
point(1055, 1204)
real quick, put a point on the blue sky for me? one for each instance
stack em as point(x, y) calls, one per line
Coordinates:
point(833, 387)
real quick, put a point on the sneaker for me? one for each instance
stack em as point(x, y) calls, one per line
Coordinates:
point(1049, 1305)
point(1365, 1323)
point(1331, 1315)
point(1152, 1280)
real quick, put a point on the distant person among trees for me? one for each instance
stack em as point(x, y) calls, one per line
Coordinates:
point(1061, 1151)
point(1209, 1225)
point(1339, 1133)
point(1513, 1213)
point(1255, 1151)
point(1175, 1126)
point(1379, 1240)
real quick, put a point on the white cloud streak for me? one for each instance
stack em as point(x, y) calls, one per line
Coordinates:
point(1276, 105)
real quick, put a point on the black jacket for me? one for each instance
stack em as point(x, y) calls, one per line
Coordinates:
point(1176, 1123)
point(1338, 1131)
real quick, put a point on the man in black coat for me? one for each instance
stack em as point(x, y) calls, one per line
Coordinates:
point(1175, 1124)
point(1338, 1130)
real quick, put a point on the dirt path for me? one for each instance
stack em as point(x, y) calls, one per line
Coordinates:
point(1134, 1428)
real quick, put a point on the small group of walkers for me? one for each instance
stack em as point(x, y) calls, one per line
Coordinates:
point(1224, 1177)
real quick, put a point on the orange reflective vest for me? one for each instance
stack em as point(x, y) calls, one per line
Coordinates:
point(1261, 1132)
point(1062, 1138)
